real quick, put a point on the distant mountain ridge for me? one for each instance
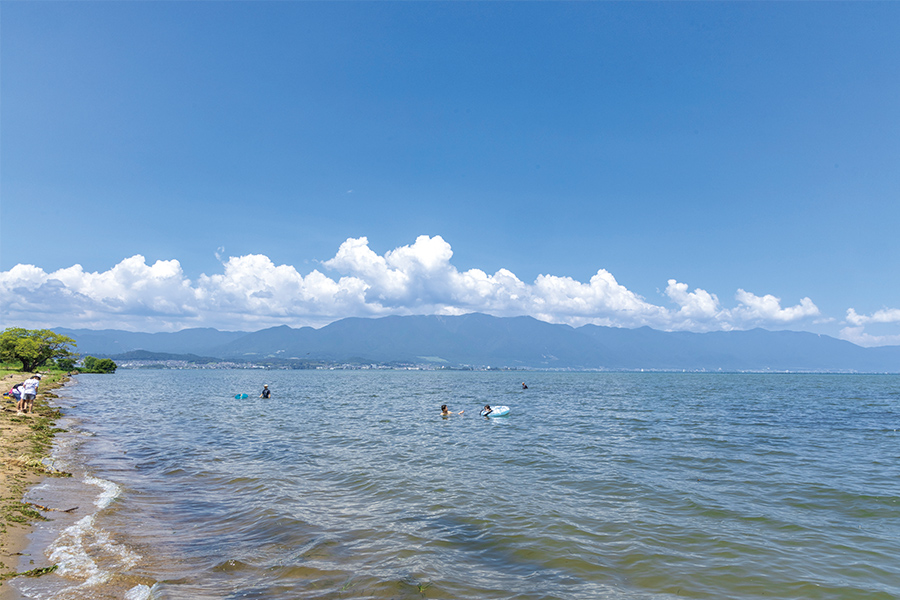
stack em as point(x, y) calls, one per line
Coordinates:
point(481, 340)
point(114, 341)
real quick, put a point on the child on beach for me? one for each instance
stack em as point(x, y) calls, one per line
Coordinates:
point(16, 393)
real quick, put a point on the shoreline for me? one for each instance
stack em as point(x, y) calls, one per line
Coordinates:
point(25, 440)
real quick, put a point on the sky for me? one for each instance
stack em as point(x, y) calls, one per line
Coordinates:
point(688, 166)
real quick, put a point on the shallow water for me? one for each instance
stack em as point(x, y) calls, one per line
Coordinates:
point(348, 484)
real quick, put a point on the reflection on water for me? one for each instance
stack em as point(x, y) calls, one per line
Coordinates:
point(350, 485)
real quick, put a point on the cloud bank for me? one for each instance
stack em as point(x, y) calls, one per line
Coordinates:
point(855, 331)
point(252, 293)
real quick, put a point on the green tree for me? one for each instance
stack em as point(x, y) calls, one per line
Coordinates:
point(98, 365)
point(106, 365)
point(33, 347)
point(66, 364)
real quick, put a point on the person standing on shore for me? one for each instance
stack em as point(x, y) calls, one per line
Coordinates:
point(29, 393)
point(265, 392)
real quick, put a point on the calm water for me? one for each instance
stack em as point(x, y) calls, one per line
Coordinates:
point(350, 485)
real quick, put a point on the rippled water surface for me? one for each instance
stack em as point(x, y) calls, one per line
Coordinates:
point(348, 484)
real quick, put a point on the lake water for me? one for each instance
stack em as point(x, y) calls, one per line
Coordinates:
point(348, 484)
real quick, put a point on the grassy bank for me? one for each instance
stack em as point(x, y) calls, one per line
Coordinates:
point(25, 441)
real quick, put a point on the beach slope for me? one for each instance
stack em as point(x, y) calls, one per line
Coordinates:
point(24, 441)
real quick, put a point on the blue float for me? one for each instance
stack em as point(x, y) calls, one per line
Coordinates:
point(496, 411)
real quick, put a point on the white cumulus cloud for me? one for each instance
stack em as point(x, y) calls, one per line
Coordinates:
point(251, 292)
point(698, 310)
point(885, 315)
point(767, 309)
point(856, 330)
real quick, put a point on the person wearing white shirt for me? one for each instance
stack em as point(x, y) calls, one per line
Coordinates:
point(29, 392)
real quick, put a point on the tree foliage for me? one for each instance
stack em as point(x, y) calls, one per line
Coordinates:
point(98, 365)
point(66, 364)
point(33, 347)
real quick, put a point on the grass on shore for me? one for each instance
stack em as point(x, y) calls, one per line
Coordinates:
point(31, 573)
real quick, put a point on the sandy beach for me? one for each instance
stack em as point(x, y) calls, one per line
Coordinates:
point(24, 440)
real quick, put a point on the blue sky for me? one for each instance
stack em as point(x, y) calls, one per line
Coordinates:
point(693, 166)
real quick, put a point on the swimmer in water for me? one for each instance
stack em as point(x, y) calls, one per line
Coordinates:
point(487, 410)
point(447, 413)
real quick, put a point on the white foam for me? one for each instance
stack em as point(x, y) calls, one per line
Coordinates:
point(138, 592)
point(70, 554)
point(74, 548)
point(77, 547)
point(109, 491)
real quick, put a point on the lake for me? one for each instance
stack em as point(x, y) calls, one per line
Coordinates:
point(349, 484)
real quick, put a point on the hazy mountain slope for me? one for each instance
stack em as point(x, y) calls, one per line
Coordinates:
point(113, 341)
point(482, 340)
point(465, 339)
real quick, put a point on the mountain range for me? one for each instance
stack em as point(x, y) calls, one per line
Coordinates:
point(504, 342)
